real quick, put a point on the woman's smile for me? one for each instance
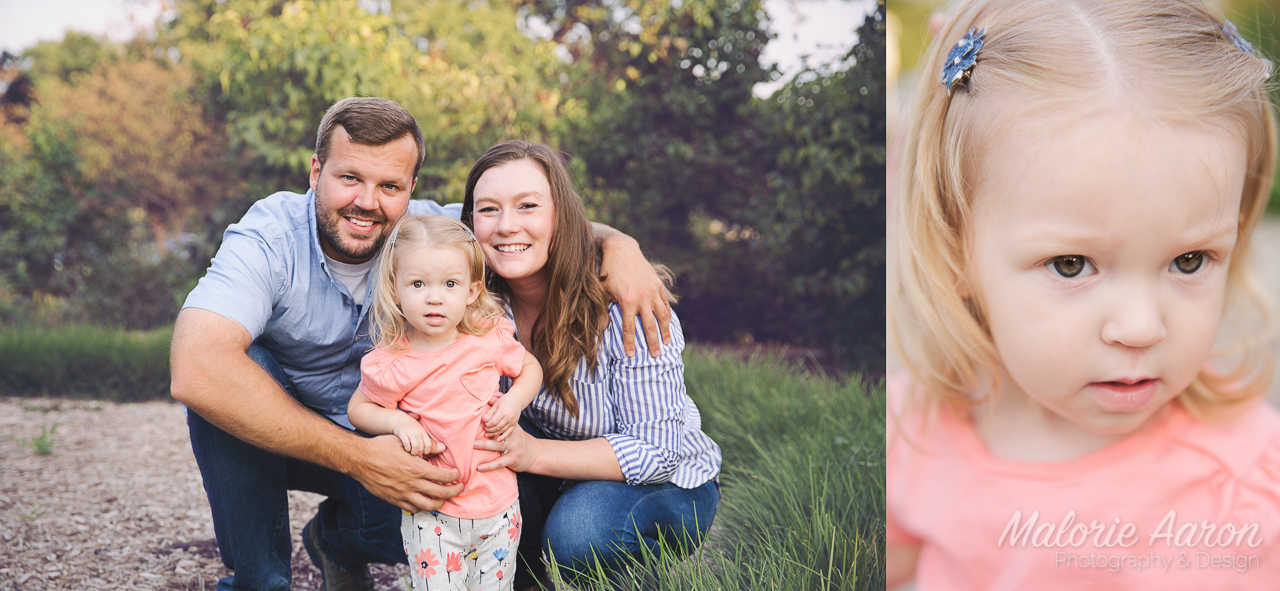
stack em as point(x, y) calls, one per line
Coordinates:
point(514, 219)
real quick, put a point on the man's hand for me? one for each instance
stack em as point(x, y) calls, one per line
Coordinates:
point(214, 377)
point(405, 481)
point(633, 283)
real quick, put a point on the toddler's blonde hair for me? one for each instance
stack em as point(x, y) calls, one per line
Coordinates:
point(1169, 58)
point(435, 231)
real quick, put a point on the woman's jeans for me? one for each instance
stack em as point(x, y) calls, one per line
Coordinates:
point(581, 525)
point(248, 493)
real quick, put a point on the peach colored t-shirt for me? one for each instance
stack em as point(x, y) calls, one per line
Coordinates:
point(1178, 504)
point(452, 389)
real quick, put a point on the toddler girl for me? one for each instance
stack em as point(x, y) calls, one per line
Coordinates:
point(442, 344)
point(1082, 181)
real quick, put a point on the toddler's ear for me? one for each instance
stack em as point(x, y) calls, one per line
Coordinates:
point(476, 288)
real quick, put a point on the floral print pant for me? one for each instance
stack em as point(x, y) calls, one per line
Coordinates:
point(447, 553)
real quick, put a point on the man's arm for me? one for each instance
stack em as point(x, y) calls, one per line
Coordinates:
point(632, 282)
point(214, 377)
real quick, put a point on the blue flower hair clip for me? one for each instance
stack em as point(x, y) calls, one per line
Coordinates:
point(469, 234)
point(960, 61)
point(1229, 29)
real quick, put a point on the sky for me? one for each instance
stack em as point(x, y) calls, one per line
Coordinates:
point(823, 29)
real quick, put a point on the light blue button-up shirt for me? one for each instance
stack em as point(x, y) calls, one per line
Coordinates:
point(270, 276)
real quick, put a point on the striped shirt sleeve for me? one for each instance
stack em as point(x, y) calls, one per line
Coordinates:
point(648, 397)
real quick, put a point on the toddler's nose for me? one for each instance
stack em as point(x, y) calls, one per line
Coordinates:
point(1134, 321)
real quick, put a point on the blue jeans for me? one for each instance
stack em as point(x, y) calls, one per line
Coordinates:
point(577, 523)
point(248, 494)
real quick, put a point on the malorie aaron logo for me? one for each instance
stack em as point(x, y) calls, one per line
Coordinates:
point(1227, 539)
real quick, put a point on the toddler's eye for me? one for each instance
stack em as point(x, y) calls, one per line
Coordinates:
point(416, 284)
point(1071, 265)
point(451, 283)
point(1188, 262)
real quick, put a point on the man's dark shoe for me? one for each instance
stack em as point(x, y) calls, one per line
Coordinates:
point(335, 579)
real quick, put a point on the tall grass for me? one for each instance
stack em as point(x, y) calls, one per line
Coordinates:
point(803, 482)
point(85, 362)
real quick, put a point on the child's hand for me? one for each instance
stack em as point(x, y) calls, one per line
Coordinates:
point(413, 437)
point(502, 418)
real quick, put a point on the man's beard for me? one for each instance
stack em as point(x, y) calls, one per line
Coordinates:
point(330, 233)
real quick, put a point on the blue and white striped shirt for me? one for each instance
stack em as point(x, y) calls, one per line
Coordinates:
point(639, 404)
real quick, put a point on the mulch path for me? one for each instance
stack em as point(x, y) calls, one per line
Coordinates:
point(119, 504)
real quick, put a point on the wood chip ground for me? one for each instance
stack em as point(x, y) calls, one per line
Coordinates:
point(119, 503)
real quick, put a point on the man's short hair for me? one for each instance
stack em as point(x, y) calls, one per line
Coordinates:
point(371, 121)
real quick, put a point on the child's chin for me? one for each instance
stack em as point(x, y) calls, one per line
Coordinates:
point(1117, 424)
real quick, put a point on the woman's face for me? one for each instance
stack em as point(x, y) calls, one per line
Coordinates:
point(514, 218)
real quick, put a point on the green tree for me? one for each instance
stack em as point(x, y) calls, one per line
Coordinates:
point(113, 162)
point(823, 223)
point(463, 69)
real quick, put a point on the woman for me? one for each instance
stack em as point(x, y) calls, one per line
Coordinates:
point(610, 454)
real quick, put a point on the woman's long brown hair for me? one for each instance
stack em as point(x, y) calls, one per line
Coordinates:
point(576, 310)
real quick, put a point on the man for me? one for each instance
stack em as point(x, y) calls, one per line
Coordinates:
point(266, 353)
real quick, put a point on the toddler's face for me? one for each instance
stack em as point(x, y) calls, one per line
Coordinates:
point(434, 287)
point(1100, 254)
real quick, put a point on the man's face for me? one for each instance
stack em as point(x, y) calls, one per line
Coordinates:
point(360, 191)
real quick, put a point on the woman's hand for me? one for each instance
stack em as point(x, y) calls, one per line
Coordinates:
point(520, 449)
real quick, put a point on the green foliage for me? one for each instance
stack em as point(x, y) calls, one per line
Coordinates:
point(75, 55)
point(273, 68)
point(1255, 19)
point(42, 444)
point(822, 238)
point(85, 362)
point(99, 182)
point(463, 69)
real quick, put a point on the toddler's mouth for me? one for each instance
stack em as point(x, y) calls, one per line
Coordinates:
point(1124, 395)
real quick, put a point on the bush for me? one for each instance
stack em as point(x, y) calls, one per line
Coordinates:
point(85, 362)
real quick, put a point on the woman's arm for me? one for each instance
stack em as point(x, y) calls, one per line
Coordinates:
point(589, 459)
point(648, 408)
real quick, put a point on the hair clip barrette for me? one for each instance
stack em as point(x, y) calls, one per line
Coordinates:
point(961, 59)
point(1229, 29)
